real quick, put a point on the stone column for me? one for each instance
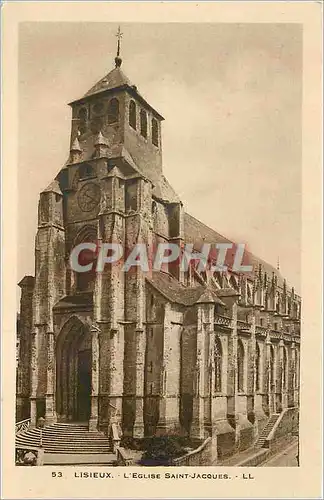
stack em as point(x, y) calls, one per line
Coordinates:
point(64, 384)
point(50, 413)
point(34, 379)
point(283, 378)
point(205, 323)
point(211, 374)
point(116, 353)
point(294, 354)
point(197, 426)
point(269, 375)
point(169, 394)
point(93, 422)
point(252, 367)
point(254, 408)
point(138, 429)
point(232, 370)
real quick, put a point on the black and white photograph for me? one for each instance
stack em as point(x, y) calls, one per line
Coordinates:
point(138, 362)
point(159, 313)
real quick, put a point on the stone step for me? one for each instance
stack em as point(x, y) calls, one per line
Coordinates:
point(70, 439)
point(84, 459)
point(266, 430)
point(61, 440)
point(62, 445)
point(72, 451)
point(72, 446)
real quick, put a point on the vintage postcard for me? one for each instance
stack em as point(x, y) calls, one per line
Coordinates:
point(161, 330)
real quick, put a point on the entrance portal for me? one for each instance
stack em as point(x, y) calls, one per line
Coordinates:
point(84, 385)
point(73, 372)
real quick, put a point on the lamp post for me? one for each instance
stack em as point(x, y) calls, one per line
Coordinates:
point(41, 425)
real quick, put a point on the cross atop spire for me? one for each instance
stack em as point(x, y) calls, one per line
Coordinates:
point(118, 59)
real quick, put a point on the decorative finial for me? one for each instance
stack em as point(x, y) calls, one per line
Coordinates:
point(278, 264)
point(118, 59)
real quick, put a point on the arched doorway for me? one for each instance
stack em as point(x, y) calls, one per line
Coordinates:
point(73, 372)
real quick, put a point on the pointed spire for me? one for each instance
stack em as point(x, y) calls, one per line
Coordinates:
point(278, 264)
point(75, 151)
point(75, 148)
point(101, 140)
point(101, 145)
point(118, 59)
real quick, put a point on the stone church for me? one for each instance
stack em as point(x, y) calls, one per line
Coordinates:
point(187, 353)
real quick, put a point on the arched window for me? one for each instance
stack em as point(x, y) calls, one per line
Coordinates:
point(143, 119)
point(240, 366)
point(86, 170)
point(113, 111)
point(155, 132)
point(277, 302)
point(82, 115)
point(218, 365)
point(132, 114)
point(249, 293)
point(85, 281)
point(257, 368)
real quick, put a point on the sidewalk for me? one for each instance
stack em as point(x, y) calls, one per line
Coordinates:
point(251, 452)
point(238, 457)
point(285, 458)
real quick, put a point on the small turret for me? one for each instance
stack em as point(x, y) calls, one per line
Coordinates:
point(50, 208)
point(101, 145)
point(75, 152)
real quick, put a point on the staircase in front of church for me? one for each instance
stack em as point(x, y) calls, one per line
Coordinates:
point(69, 444)
point(267, 429)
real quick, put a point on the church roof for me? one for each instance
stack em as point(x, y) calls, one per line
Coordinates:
point(174, 291)
point(116, 80)
point(198, 233)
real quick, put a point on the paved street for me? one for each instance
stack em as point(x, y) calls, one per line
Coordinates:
point(286, 458)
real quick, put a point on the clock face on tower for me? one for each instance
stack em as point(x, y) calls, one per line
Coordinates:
point(89, 197)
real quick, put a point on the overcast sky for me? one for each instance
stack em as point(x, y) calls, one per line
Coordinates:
point(231, 98)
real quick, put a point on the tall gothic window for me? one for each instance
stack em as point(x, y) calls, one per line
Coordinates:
point(155, 132)
point(132, 114)
point(85, 281)
point(82, 115)
point(218, 365)
point(240, 366)
point(257, 368)
point(113, 111)
point(143, 119)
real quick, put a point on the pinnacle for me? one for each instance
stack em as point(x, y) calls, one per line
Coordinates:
point(76, 146)
point(101, 140)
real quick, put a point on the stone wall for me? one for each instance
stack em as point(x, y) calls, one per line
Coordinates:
point(205, 454)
